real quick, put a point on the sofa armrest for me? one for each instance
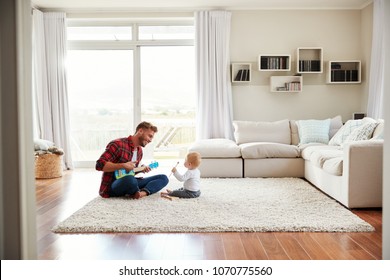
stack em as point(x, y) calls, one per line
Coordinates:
point(362, 172)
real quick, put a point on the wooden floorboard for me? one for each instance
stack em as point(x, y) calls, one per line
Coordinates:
point(312, 247)
point(213, 248)
point(254, 250)
point(58, 198)
point(273, 248)
point(291, 246)
point(234, 248)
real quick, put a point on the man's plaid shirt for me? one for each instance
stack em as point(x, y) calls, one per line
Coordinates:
point(117, 151)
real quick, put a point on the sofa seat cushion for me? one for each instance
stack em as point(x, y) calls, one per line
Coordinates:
point(329, 158)
point(216, 148)
point(319, 158)
point(308, 150)
point(258, 150)
point(334, 166)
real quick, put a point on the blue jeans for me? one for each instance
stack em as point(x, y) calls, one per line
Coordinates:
point(129, 185)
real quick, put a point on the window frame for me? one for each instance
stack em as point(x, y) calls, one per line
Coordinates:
point(135, 44)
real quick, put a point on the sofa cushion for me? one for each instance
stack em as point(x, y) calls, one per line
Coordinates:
point(335, 124)
point(259, 150)
point(363, 132)
point(318, 158)
point(216, 148)
point(349, 128)
point(308, 150)
point(313, 131)
point(334, 166)
point(250, 131)
point(344, 131)
point(378, 132)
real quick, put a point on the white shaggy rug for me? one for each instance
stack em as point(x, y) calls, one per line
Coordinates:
point(245, 204)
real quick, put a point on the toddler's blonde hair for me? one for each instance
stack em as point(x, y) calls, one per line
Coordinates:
point(194, 158)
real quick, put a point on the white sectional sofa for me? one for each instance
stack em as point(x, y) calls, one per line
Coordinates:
point(344, 161)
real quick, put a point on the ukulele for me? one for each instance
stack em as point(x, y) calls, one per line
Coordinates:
point(122, 172)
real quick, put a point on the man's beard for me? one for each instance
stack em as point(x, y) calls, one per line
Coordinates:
point(142, 141)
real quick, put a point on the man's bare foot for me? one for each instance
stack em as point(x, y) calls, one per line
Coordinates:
point(136, 195)
point(142, 194)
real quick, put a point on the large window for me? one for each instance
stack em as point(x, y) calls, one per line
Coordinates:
point(100, 99)
point(121, 74)
point(168, 97)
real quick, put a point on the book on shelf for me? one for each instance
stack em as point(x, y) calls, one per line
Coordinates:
point(335, 66)
point(246, 76)
point(293, 86)
point(290, 86)
point(273, 63)
point(242, 75)
point(238, 76)
point(344, 75)
point(264, 63)
point(281, 89)
point(309, 65)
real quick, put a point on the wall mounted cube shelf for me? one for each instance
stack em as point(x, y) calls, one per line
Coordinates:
point(344, 72)
point(309, 60)
point(286, 83)
point(274, 62)
point(241, 72)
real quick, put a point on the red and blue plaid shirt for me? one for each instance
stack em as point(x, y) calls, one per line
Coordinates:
point(117, 151)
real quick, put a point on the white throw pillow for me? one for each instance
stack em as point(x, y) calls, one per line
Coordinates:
point(335, 124)
point(313, 131)
point(378, 132)
point(345, 131)
point(250, 131)
point(363, 132)
point(42, 144)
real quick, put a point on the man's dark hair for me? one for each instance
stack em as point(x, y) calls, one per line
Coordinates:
point(146, 125)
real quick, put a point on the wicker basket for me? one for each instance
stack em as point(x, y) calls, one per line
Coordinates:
point(48, 166)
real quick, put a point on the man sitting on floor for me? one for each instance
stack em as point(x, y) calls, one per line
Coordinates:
point(126, 153)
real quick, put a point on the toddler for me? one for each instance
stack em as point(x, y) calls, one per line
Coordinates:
point(191, 178)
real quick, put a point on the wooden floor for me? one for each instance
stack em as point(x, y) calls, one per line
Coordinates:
point(59, 198)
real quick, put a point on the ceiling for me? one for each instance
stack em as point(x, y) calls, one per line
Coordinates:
point(187, 5)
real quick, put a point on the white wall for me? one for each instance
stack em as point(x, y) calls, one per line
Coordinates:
point(365, 45)
point(281, 32)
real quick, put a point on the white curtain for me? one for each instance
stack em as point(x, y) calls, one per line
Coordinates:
point(49, 80)
point(375, 94)
point(215, 111)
